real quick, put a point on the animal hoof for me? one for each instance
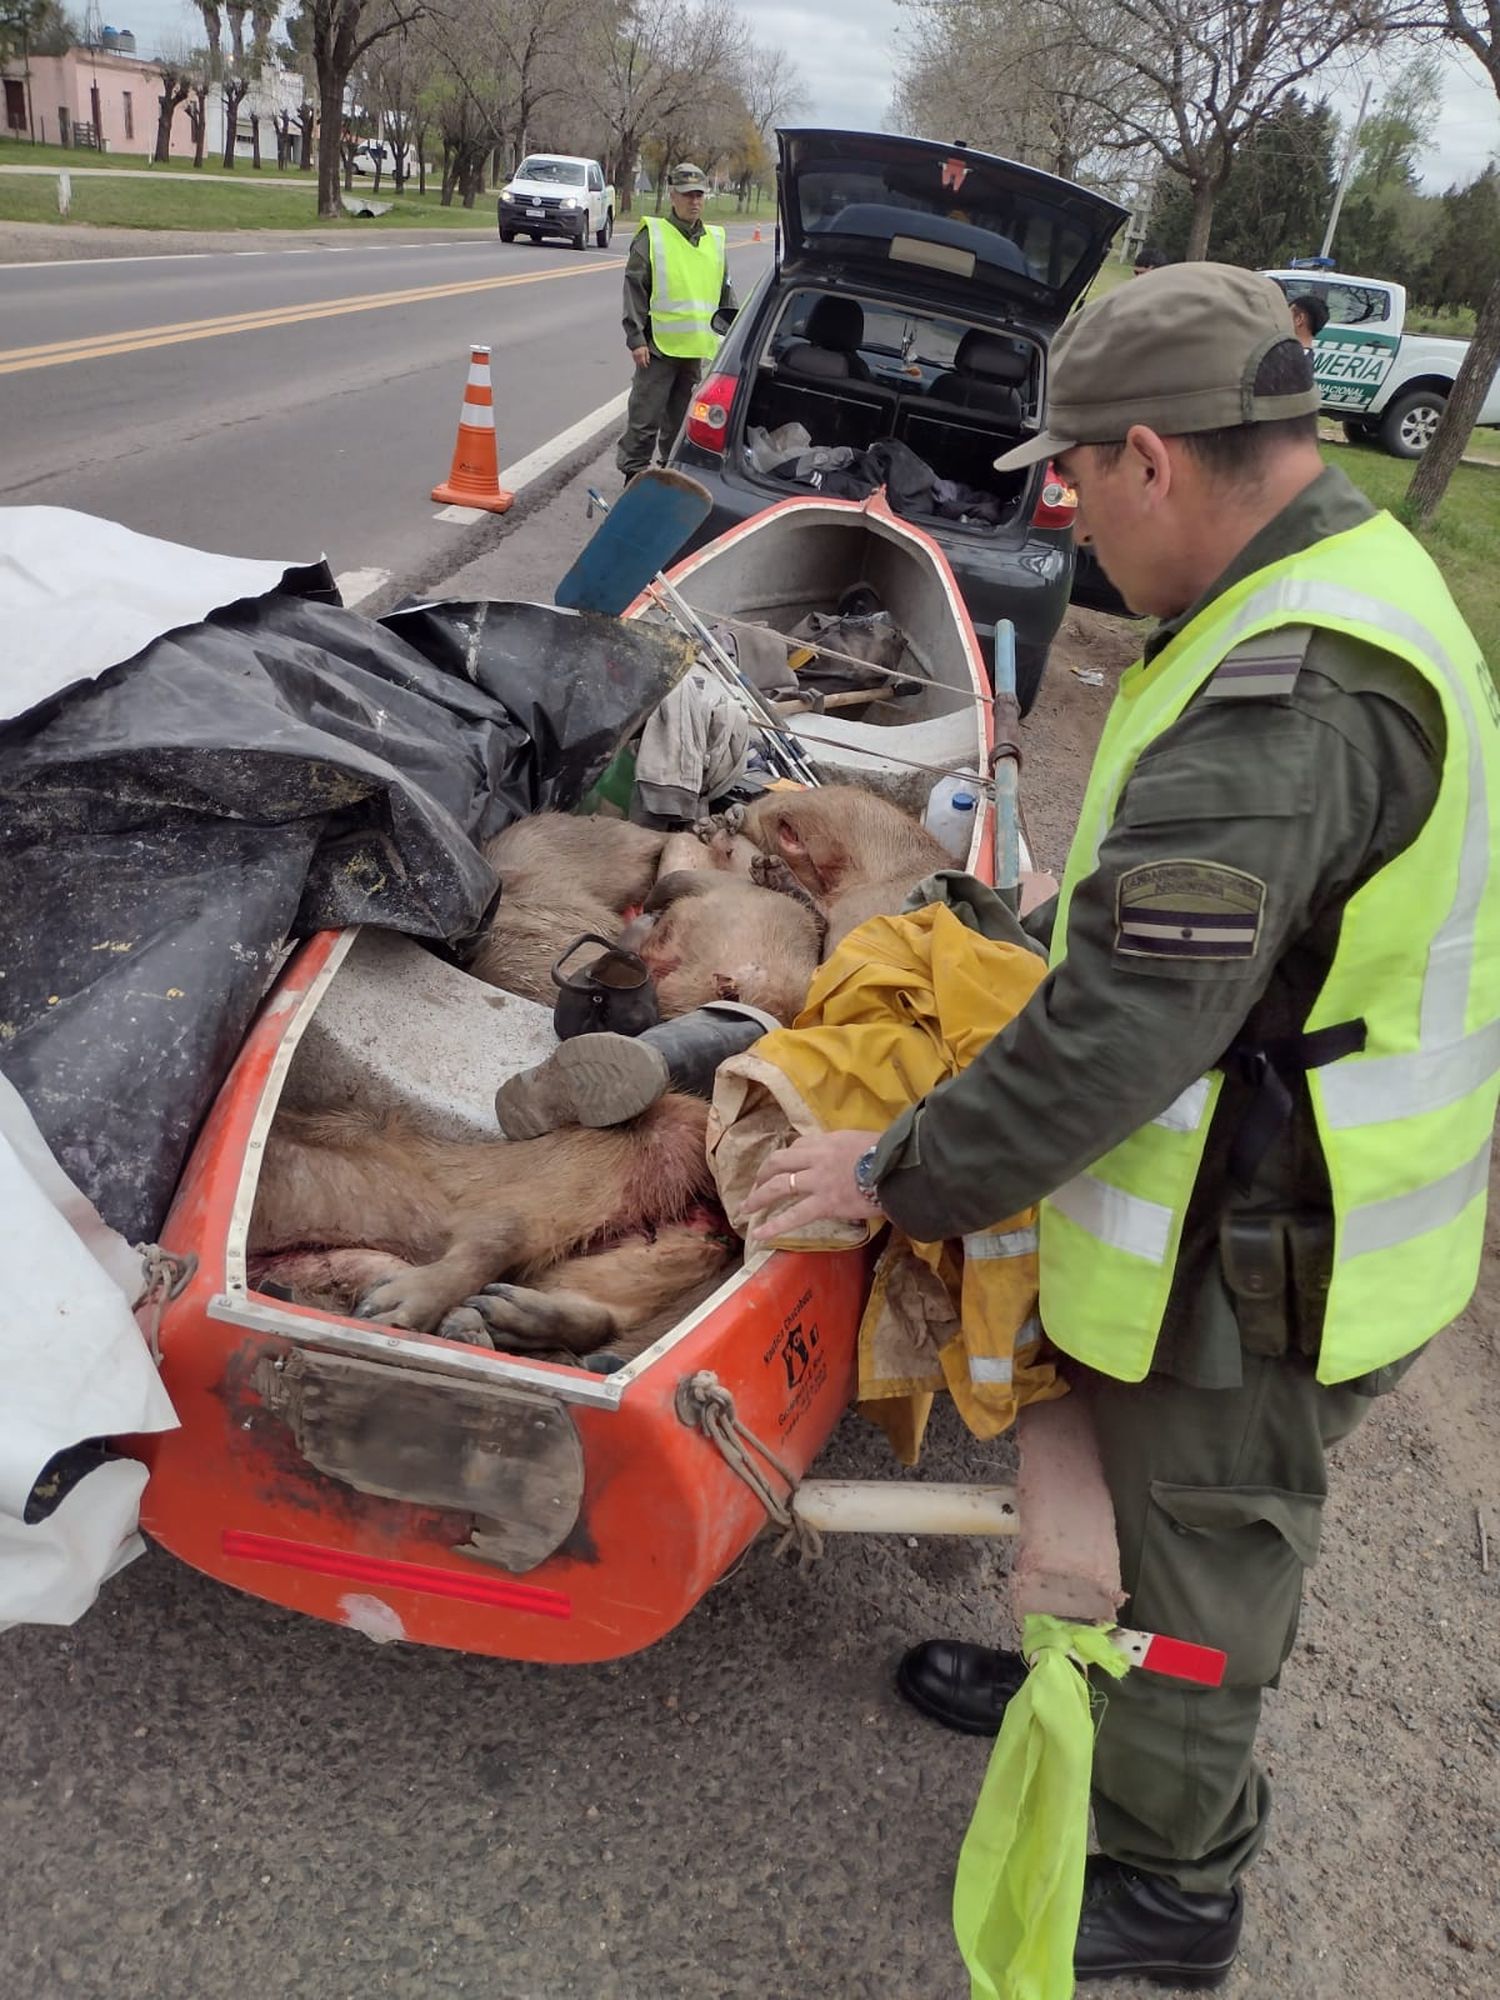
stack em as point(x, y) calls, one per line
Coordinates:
point(603, 1364)
point(464, 1324)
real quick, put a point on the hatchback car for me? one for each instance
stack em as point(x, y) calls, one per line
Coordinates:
point(913, 295)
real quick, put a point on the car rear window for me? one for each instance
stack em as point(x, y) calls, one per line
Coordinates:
point(1004, 228)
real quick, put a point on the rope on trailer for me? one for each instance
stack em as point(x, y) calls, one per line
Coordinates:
point(166, 1277)
point(704, 1402)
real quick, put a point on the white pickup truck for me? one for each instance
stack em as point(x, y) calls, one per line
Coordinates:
point(1388, 386)
point(556, 194)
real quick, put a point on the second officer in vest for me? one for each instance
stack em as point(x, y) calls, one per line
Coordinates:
point(678, 299)
point(1255, 1094)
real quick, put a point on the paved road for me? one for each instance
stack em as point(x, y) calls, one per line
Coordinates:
point(291, 402)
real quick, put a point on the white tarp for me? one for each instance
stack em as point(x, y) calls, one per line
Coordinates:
point(57, 568)
point(73, 1365)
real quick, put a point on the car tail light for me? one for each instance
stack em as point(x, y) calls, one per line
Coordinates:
point(708, 413)
point(1057, 503)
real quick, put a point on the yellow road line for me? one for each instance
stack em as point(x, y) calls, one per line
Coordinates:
point(104, 346)
point(56, 353)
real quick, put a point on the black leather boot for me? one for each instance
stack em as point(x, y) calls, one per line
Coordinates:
point(605, 1079)
point(962, 1686)
point(1136, 1926)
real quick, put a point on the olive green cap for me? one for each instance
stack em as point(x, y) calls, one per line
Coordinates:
point(687, 179)
point(1176, 350)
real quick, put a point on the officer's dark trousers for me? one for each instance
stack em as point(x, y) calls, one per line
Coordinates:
point(1218, 1499)
point(659, 398)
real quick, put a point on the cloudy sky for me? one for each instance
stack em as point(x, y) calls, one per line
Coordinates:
point(847, 51)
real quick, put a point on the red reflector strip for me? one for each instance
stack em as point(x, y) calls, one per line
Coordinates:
point(1179, 1658)
point(397, 1575)
point(1186, 1662)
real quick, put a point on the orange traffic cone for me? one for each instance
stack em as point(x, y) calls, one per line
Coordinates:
point(474, 478)
point(756, 237)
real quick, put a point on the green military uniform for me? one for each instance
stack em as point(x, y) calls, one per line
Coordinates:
point(1216, 1461)
point(661, 392)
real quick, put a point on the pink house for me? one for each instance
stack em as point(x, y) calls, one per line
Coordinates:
point(53, 99)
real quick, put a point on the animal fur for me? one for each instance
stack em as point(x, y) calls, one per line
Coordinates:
point(855, 854)
point(460, 1215)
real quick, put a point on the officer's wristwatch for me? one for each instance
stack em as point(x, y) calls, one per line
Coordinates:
point(864, 1177)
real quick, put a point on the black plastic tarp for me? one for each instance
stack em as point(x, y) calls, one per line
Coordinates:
point(284, 767)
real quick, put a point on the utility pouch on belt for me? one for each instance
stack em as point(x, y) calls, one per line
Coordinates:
point(1255, 1251)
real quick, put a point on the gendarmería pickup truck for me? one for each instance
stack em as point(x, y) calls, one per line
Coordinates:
point(1388, 386)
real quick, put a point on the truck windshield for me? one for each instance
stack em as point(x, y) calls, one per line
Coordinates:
point(567, 173)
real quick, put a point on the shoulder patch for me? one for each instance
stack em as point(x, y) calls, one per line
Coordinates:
point(1262, 668)
point(1188, 909)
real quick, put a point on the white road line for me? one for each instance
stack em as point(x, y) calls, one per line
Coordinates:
point(537, 464)
point(72, 263)
point(354, 585)
point(456, 239)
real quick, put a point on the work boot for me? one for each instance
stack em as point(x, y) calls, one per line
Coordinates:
point(962, 1686)
point(607, 1079)
point(1136, 1926)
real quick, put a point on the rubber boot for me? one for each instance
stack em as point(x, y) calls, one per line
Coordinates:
point(607, 1079)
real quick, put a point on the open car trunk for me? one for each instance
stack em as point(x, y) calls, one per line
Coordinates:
point(958, 446)
point(918, 400)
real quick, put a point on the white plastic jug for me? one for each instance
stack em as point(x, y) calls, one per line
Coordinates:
point(951, 806)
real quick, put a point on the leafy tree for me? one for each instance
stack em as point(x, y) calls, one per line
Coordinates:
point(1466, 259)
point(1396, 134)
point(1275, 201)
point(1473, 25)
point(36, 27)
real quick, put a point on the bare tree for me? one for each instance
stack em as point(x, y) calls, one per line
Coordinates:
point(337, 33)
point(470, 97)
point(1473, 25)
point(175, 74)
point(534, 37)
point(391, 77)
point(1189, 80)
point(196, 106)
point(235, 83)
point(1005, 75)
point(772, 86)
point(646, 67)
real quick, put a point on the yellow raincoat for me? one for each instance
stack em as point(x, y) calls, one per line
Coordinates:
point(902, 1004)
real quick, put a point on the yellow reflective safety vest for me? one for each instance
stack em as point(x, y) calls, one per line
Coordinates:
point(1405, 1123)
point(687, 282)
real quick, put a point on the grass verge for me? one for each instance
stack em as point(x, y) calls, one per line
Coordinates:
point(80, 160)
point(178, 203)
point(1463, 538)
point(183, 200)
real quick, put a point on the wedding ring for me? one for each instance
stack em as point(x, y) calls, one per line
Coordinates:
point(792, 1183)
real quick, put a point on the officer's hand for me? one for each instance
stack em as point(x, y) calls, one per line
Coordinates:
point(641, 356)
point(812, 1180)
